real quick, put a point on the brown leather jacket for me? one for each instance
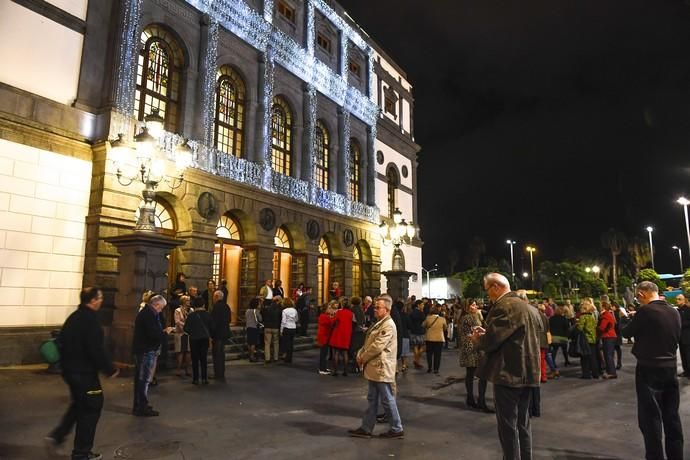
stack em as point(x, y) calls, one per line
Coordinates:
point(511, 344)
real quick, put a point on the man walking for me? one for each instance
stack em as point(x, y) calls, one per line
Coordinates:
point(83, 356)
point(378, 359)
point(684, 310)
point(656, 327)
point(302, 306)
point(220, 318)
point(149, 338)
point(511, 362)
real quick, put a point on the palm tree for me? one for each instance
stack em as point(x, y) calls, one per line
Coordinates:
point(614, 241)
point(639, 254)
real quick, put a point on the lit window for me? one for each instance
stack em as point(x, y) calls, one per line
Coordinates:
point(229, 112)
point(324, 42)
point(281, 239)
point(321, 149)
point(393, 182)
point(286, 12)
point(355, 170)
point(354, 68)
point(228, 229)
point(158, 76)
point(281, 134)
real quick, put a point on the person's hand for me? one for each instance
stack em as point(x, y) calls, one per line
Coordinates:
point(115, 374)
point(360, 362)
point(169, 329)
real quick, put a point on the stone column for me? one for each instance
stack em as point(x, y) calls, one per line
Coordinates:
point(371, 166)
point(309, 117)
point(208, 65)
point(342, 170)
point(263, 112)
point(142, 265)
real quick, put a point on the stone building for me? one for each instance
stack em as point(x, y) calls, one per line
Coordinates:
point(300, 129)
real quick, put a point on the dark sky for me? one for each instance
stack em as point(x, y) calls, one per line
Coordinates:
point(548, 121)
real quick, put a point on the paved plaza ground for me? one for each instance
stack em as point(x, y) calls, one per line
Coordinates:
point(290, 412)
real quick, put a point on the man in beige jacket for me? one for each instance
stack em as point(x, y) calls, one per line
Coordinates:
point(378, 358)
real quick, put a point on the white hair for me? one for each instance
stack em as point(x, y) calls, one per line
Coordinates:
point(497, 278)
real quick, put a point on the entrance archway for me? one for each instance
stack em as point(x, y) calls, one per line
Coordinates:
point(356, 272)
point(227, 261)
point(282, 259)
point(323, 272)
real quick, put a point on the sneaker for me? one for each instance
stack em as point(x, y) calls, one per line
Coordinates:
point(392, 435)
point(148, 412)
point(359, 433)
point(324, 373)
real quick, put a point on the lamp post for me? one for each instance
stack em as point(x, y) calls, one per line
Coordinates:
point(428, 284)
point(150, 167)
point(680, 258)
point(512, 261)
point(651, 246)
point(531, 250)
point(397, 233)
point(685, 202)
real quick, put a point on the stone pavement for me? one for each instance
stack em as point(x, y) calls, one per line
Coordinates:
point(288, 412)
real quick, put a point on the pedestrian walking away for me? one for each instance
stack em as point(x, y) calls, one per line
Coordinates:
point(83, 356)
point(220, 334)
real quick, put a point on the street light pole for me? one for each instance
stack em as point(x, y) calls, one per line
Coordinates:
point(685, 202)
point(428, 284)
point(651, 246)
point(680, 258)
point(531, 250)
point(512, 260)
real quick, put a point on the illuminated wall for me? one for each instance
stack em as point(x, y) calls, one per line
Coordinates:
point(44, 200)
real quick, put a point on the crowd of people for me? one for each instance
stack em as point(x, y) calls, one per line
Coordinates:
point(511, 342)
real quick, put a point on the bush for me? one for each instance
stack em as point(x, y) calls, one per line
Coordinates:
point(649, 274)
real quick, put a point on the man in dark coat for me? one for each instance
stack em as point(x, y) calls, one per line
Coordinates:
point(656, 328)
point(511, 362)
point(220, 318)
point(83, 356)
point(684, 345)
point(302, 306)
point(149, 338)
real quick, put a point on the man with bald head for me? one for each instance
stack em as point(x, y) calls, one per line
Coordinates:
point(511, 361)
point(684, 345)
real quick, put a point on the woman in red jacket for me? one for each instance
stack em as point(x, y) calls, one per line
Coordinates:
point(341, 337)
point(323, 335)
point(607, 331)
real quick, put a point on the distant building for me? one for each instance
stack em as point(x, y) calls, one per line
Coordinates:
point(301, 129)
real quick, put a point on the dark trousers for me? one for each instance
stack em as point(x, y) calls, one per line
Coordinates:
point(433, 355)
point(590, 363)
point(554, 351)
point(535, 402)
point(609, 345)
point(619, 353)
point(684, 349)
point(84, 411)
point(199, 352)
point(218, 354)
point(323, 358)
point(657, 404)
point(303, 322)
point(469, 387)
point(512, 415)
point(289, 343)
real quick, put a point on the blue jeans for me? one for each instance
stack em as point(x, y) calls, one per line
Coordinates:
point(384, 392)
point(145, 369)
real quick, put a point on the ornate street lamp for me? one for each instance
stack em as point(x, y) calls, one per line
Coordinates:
point(151, 167)
point(397, 234)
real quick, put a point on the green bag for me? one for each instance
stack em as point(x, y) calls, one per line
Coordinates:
point(50, 351)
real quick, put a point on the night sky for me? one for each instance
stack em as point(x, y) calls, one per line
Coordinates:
point(547, 121)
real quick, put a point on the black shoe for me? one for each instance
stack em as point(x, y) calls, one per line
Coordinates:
point(359, 433)
point(154, 383)
point(334, 374)
point(484, 408)
point(148, 412)
point(618, 366)
point(381, 418)
point(89, 456)
point(392, 435)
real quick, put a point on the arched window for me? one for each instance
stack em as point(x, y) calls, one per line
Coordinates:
point(322, 150)
point(356, 272)
point(228, 229)
point(229, 112)
point(355, 170)
point(281, 136)
point(282, 258)
point(393, 183)
point(158, 76)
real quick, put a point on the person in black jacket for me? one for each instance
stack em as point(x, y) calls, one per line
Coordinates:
point(684, 345)
point(199, 326)
point(271, 315)
point(220, 333)
point(656, 327)
point(149, 336)
point(83, 356)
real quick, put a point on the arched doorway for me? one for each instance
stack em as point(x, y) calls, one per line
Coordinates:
point(227, 260)
point(356, 272)
point(323, 272)
point(282, 259)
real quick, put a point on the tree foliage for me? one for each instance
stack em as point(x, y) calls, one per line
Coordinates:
point(649, 274)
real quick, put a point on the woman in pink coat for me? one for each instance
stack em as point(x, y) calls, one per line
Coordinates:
point(341, 337)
